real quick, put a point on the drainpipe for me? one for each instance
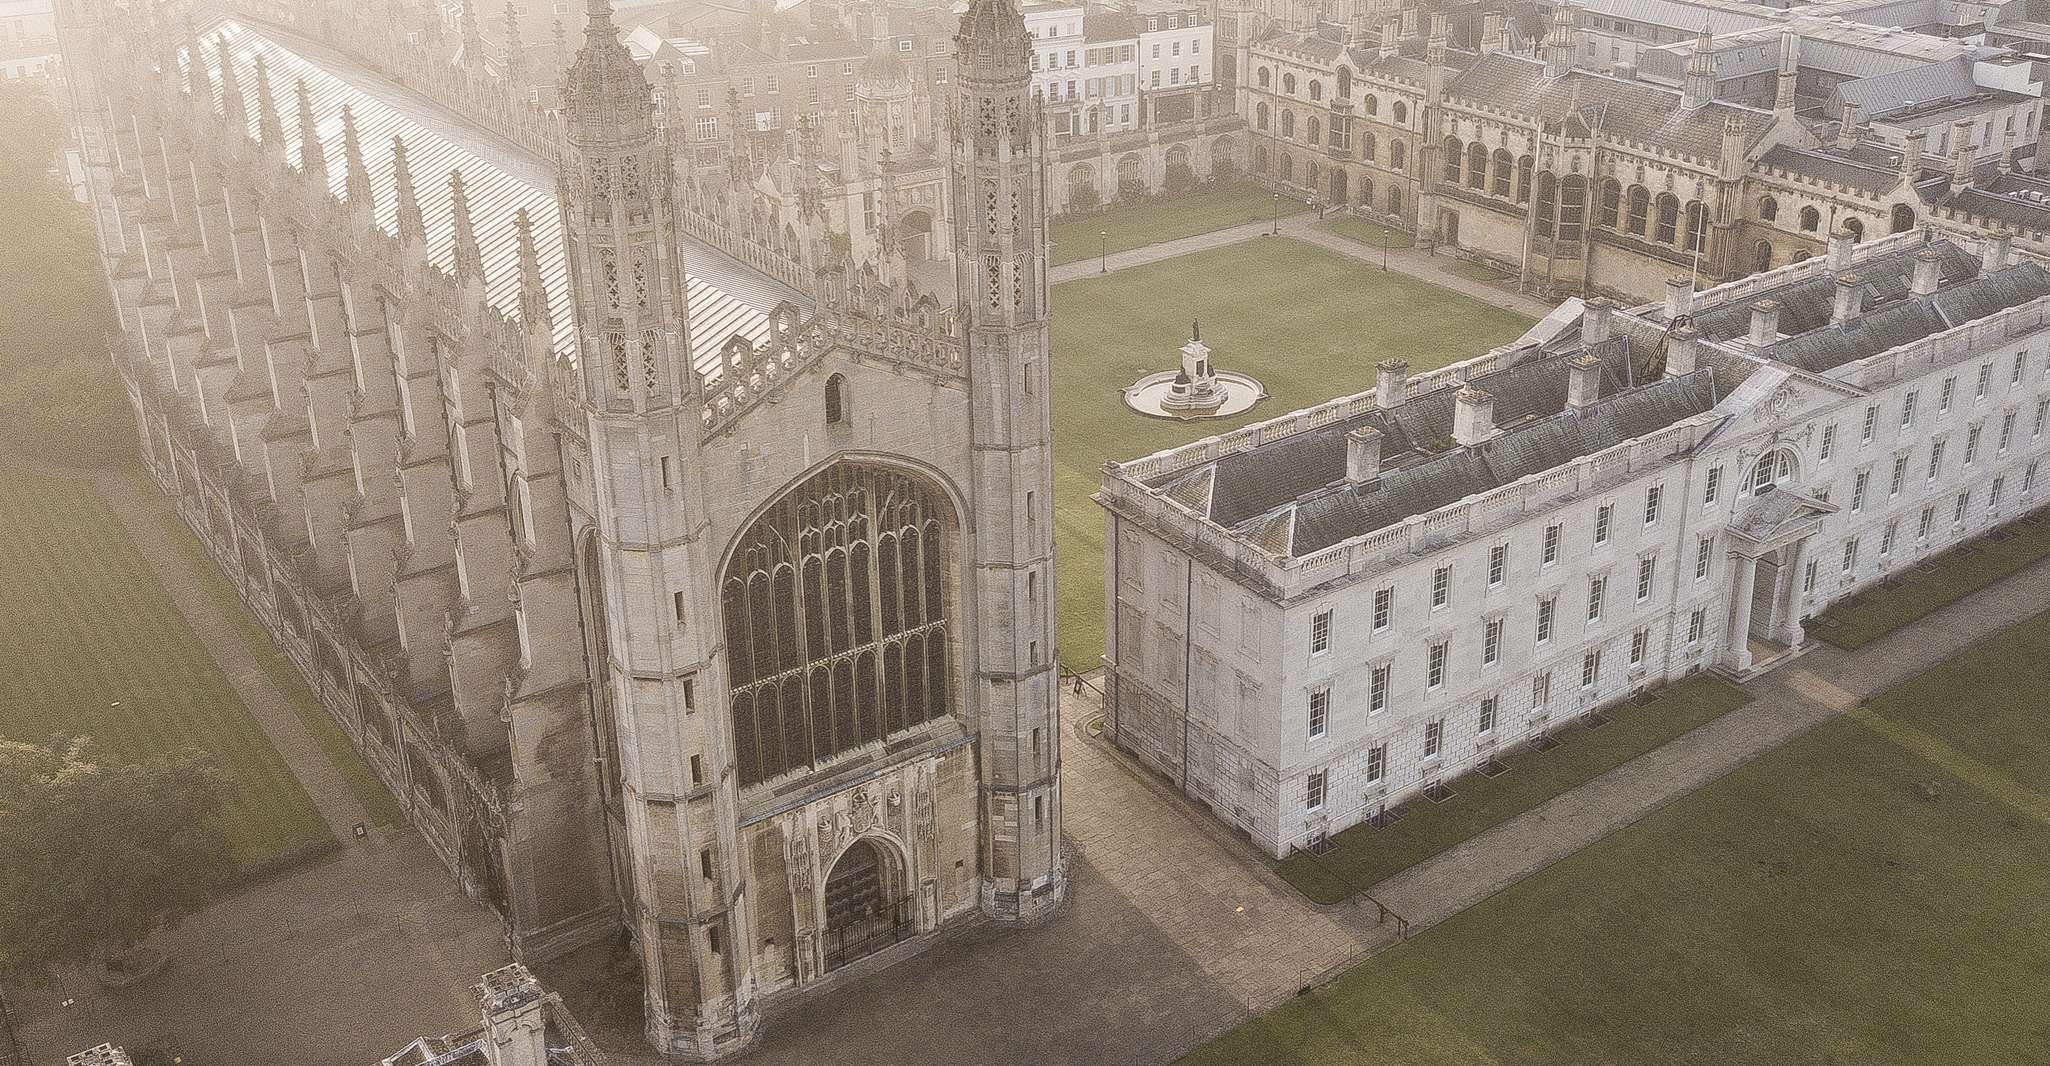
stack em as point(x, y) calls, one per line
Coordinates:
point(1117, 621)
point(1188, 655)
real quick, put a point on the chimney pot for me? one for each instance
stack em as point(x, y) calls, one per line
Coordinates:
point(1679, 296)
point(1850, 298)
point(1841, 245)
point(1473, 417)
point(1362, 455)
point(1583, 381)
point(1995, 251)
point(1682, 351)
point(1595, 319)
point(1391, 383)
point(1928, 272)
point(1765, 323)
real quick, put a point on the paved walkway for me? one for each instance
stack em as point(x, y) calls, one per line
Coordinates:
point(1307, 227)
point(340, 963)
point(1176, 932)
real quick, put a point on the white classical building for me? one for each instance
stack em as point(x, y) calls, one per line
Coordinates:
point(1325, 613)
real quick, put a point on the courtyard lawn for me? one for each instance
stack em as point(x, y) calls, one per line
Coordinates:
point(1083, 236)
point(94, 646)
point(1952, 576)
point(1364, 855)
point(1371, 234)
point(1309, 323)
point(1871, 893)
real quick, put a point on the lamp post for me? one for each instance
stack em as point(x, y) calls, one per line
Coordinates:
point(1385, 234)
point(1277, 215)
point(1103, 251)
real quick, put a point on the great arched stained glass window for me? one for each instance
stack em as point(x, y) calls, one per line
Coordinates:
point(838, 603)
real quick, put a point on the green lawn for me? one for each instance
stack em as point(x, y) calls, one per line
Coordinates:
point(1309, 323)
point(1365, 855)
point(1371, 234)
point(1957, 574)
point(95, 646)
point(1872, 893)
point(1121, 229)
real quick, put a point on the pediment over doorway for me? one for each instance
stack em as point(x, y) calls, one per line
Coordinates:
point(1778, 517)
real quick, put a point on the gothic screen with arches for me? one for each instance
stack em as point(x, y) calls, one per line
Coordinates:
point(838, 602)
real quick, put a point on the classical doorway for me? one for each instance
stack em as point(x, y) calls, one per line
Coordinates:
point(867, 908)
point(1765, 600)
point(1451, 227)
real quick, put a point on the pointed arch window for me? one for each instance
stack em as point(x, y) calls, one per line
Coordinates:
point(837, 411)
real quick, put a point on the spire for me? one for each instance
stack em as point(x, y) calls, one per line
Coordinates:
point(312, 154)
point(515, 61)
point(355, 176)
point(533, 295)
point(233, 111)
point(606, 94)
point(1559, 43)
point(268, 125)
point(473, 38)
point(469, 258)
point(1699, 87)
point(1789, 75)
point(412, 227)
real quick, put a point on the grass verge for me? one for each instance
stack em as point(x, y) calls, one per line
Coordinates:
point(1951, 577)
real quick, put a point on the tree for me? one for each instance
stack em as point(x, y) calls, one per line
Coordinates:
point(98, 855)
point(59, 393)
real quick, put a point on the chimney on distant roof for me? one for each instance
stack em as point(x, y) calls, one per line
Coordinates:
point(1789, 75)
point(1850, 299)
point(1765, 323)
point(1391, 44)
point(1928, 272)
point(1494, 34)
point(1409, 24)
point(1679, 296)
point(1560, 44)
point(1583, 381)
point(1391, 383)
point(1967, 154)
point(1594, 320)
point(1362, 455)
point(1841, 245)
point(1473, 417)
point(1995, 251)
point(1911, 155)
point(1682, 351)
point(514, 1024)
point(1436, 50)
point(1847, 127)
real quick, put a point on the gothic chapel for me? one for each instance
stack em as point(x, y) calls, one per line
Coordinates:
point(661, 605)
point(821, 573)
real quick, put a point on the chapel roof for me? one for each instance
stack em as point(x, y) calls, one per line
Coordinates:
point(1634, 110)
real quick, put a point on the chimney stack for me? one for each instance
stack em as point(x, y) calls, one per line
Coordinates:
point(1408, 23)
point(1850, 299)
point(1583, 381)
point(1390, 43)
point(1682, 351)
point(513, 1022)
point(1391, 383)
point(1961, 165)
point(1679, 296)
point(1473, 417)
point(1994, 251)
point(1362, 455)
point(1847, 127)
point(1911, 155)
point(1928, 272)
point(1841, 244)
point(1594, 320)
point(1494, 37)
point(1765, 323)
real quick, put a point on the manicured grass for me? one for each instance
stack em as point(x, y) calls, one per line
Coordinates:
point(1206, 210)
point(1371, 234)
point(1364, 855)
point(197, 566)
point(1957, 574)
point(94, 646)
point(1475, 271)
point(1871, 893)
point(1309, 323)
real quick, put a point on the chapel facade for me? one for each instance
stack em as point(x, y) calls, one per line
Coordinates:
point(670, 599)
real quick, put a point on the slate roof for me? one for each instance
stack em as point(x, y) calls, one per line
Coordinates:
point(499, 179)
point(1897, 90)
point(1832, 167)
point(1634, 110)
point(1290, 496)
point(1892, 316)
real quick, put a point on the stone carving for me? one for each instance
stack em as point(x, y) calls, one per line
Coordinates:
point(827, 832)
point(862, 817)
point(923, 812)
point(801, 870)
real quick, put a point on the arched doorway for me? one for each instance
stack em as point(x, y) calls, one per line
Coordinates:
point(1761, 257)
point(1338, 191)
point(867, 905)
point(1450, 226)
point(915, 235)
